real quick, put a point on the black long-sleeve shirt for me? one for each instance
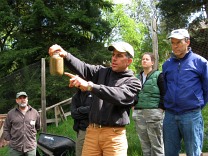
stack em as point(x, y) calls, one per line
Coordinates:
point(113, 92)
point(80, 108)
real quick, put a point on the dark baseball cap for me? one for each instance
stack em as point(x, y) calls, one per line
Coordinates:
point(21, 94)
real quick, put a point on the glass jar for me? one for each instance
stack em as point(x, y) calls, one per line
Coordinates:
point(56, 64)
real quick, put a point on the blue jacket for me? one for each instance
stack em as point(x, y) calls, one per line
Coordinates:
point(186, 83)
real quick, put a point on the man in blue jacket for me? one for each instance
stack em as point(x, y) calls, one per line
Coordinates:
point(186, 85)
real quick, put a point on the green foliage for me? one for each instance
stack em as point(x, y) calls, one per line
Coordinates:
point(199, 37)
point(186, 14)
point(13, 60)
point(7, 25)
point(29, 79)
point(4, 151)
point(134, 147)
point(38, 24)
point(180, 11)
point(127, 29)
point(22, 80)
point(205, 116)
point(164, 48)
point(28, 28)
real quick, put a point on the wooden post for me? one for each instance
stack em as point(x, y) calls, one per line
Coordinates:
point(43, 96)
point(62, 114)
point(2, 141)
point(56, 115)
point(2, 119)
point(155, 41)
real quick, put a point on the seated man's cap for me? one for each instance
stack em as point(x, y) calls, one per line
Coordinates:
point(122, 47)
point(20, 94)
point(179, 34)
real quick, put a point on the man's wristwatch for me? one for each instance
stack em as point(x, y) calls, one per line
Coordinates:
point(90, 86)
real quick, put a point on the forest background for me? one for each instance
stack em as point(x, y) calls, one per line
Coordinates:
point(85, 28)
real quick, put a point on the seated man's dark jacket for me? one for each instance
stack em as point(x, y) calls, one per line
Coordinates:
point(80, 108)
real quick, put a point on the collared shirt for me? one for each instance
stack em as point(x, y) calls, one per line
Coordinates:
point(143, 78)
point(20, 130)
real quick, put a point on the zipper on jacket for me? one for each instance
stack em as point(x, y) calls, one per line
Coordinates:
point(179, 66)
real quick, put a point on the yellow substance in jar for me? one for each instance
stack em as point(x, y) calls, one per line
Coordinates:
point(56, 65)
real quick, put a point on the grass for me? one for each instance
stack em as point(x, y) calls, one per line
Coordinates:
point(205, 116)
point(134, 149)
point(3, 151)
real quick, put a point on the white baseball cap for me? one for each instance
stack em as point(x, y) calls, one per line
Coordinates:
point(179, 34)
point(122, 47)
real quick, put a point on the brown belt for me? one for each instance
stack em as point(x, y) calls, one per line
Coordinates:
point(94, 125)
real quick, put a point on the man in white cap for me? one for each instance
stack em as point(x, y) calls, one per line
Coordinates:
point(114, 90)
point(186, 85)
point(20, 127)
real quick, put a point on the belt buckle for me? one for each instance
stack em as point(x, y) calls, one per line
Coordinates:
point(94, 125)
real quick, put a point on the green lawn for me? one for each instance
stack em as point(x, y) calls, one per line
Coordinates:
point(134, 149)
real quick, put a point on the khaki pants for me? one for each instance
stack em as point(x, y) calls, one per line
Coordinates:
point(105, 141)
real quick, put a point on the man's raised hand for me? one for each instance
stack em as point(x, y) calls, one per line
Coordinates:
point(76, 81)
